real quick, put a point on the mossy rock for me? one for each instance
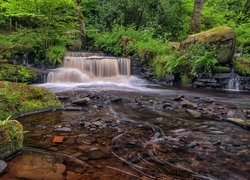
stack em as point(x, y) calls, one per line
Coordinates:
point(242, 65)
point(17, 98)
point(17, 73)
point(224, 37)
point(221, 69)
point(11, 135)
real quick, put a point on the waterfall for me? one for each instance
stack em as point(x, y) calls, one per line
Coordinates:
point(234, 82)
point(79, 67)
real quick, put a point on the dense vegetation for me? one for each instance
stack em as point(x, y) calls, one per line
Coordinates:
point(46, 29)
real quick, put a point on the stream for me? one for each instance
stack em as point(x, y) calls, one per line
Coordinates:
point(116, 126)
point(124, 133)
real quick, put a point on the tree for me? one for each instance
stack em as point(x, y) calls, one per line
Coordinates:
point(196, 18)
point(82, 26)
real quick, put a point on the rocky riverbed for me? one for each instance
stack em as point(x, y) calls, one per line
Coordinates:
point(128, 134)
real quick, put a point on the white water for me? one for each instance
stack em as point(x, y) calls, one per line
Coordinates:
point(83, 68)
point(234, 82)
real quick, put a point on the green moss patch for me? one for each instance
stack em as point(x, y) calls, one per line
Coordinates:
point(17, 73)
point(18, 98)
point(221, 69)
point(242, 65)
point(222, 33)
point(11, 135)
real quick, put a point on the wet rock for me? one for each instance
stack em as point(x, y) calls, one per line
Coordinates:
point(116, 100)
point(208, 100)
point(179, 98)
point(80, 102)
point(3, 167)
point(92, 129)
point(193, 113)
point(97, 155)
point(39, 167)
point(63, 129)
point(188, 104)
point(241, 122)
point(166, 105)
point(72, 109)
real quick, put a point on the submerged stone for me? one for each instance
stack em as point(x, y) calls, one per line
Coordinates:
point(3, 167)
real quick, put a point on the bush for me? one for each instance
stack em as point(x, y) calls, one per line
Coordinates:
point(55, 54)
point(198, 60)
point(127, 41)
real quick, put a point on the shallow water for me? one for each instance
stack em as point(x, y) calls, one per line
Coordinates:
point(110, 139)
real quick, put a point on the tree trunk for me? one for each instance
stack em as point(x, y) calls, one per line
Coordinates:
point(82, 26)
point(196, 18)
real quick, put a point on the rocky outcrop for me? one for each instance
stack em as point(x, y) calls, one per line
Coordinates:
point(223, 36)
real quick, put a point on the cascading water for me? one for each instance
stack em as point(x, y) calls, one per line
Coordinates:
point(81, 67)
point(234, 82)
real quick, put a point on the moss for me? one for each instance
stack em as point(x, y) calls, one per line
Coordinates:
point(222, 33)
point(17, 73)
point(11, 135)
point(242, 65)
point(18, 98)
point(221, 69)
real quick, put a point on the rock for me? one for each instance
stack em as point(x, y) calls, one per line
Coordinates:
point(179, 98)
point(3, 167)
point(116, 100)
point(166, 105)
point(208, 100)
point(193, 113)
point(38, 166)
point(188, 104)
point(222, 36)
point(243, 123)
point(63, 129)
point(72, 108)
point(80, 102)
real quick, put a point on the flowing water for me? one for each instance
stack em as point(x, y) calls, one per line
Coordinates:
point(124, 133)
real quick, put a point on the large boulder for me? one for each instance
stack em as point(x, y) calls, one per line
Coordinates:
point(11, 135)
point(222, 36)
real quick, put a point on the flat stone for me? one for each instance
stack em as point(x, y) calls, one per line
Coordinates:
point(3, 167)
point(36, 166)
point(80, 102)
point(63, 129)
point(193, 113)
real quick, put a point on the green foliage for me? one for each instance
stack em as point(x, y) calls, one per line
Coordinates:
point(242, 65)
point(5, 121)
point(18, 98)
point(164, 18)
point(45, 27)
point(199, 58)
point(16, 73)
point(55, 54)
point(162, 63)
point(128, 41)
